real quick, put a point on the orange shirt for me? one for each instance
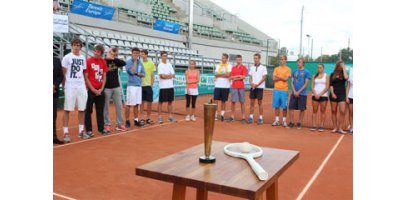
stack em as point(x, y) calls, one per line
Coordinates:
point(283, 72)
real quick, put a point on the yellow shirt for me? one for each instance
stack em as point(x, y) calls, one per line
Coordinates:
point(283, 72)
point(150, 69)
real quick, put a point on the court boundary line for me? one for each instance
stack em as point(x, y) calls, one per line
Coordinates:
point(320, 168)
point(130, 131)
point(63, 196)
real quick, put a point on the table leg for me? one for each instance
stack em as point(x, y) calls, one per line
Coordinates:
point(258, 197)
point(179, 192)
point(272, 191)
point(202, 194)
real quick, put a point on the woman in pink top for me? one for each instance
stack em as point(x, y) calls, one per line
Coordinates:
point(192, 80)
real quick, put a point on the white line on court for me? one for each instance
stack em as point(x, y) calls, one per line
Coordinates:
point(318, 171)
point(115, 134)
point(121, 133)
point(63, 196)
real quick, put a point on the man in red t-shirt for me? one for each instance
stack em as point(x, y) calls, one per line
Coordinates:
point(238, 74)
point(95, 76)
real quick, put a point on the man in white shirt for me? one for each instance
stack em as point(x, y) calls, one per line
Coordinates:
point(74, 87)
point(222, 84)
point(257, 78)
point(166, 87)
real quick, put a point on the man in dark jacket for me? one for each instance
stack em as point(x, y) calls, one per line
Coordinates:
point(57, 80)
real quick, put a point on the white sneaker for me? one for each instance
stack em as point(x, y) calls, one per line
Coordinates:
point(193, 118)
point(188, 118)
point(66, 138)
point(285, 124)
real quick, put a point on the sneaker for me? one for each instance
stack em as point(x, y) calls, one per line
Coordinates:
point(120, 128)
point(260, 121)
point(276, 123)
point(88, 134)
point(188, 118)
point(231, 119)
point(149, 121)
point(107, 128)
point(57, 141)
point(171, 120)
point(313, 128)
point(321, 129)
point(216, 117)
point(160, 120)
point(138, 123)
point(351, 130)
point(127, 124)
point(334, 130)
point(193, 118)
point(243, 121)
point(299, 125)
point(342, 131)
point(250, 120)
point(290, 125)
point(222, 118)
point(66, 138)
point(104, 132)
point(80, 135)
point(285, 125)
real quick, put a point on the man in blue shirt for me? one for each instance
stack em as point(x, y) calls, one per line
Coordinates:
point(298, 99)
point(135, 71)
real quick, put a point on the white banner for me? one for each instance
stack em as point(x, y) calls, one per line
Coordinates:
point(60, 23)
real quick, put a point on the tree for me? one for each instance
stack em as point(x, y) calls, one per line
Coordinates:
point(345, 54)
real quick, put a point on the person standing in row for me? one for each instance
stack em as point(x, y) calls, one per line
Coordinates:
point(135, 72)
point(166, 92)
point(113, 89)
point(192, 80)
point(57, 80)
point(319, 87)
point(349, 100)
point(147, 83)
point(257, 78)
point(337, 96)
point(95, 76)
point(281, 75)
point(222, 85)
point(298, 98)
point(238, 74)
point(74, 87)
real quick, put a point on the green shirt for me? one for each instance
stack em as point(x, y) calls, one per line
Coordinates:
point(150, 69)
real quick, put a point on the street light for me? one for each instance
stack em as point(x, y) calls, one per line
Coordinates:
point(308, 36)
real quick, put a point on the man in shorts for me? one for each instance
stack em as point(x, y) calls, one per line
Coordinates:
point(222, 84)
point(74, 87)
point(147, 83)
point(95, 76)
point(281, 75)
point(257, 78)
point(298, 98)
point(166, 92)
point(238, 74)
point(135, 72)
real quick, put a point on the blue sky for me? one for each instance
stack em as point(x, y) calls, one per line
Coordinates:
point(329, 22)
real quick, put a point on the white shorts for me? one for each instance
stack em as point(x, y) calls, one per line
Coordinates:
point(75, 97)
point(134, 95)
point(192, 91)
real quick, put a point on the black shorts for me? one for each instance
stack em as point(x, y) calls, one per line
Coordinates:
point(297, 103)
point(350, 100)
point(147, 94)
point(256, 93)
point(321, 99)
point(166, 94)
point(339, 98)
point(221, 94)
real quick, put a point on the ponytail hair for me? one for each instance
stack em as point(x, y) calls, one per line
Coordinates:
point(317, 73)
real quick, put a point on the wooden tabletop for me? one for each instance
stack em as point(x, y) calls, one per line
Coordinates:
point(228, 175)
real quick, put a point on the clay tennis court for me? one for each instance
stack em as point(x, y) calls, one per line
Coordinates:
point(104, 167)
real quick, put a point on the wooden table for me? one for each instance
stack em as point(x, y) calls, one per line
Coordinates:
point(228, 175)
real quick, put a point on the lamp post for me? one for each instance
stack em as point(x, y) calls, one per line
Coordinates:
point(267, 51)
point(308, 36)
